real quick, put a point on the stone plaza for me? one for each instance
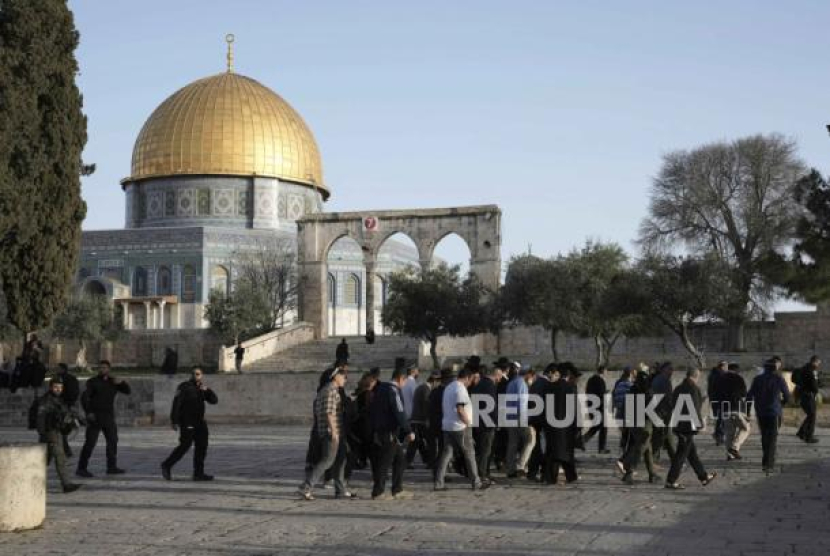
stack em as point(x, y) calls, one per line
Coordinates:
point(252, 507)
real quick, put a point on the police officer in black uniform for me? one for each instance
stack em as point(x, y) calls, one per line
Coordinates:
point(188, 415)
point(98, 402)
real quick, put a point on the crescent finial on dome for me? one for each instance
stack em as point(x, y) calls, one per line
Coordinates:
point(229, 38)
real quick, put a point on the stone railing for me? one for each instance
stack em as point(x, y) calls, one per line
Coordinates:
point(267, 345)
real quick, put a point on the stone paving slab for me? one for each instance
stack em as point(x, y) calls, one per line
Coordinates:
point(252, 508)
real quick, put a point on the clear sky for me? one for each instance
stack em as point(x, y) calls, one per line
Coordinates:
point(559, 112)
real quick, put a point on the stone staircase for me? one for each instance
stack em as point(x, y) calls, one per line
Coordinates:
point(319, 354)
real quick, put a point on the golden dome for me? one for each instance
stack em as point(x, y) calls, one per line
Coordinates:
point(227, 124)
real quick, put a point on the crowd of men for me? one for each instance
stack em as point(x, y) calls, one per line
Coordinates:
point(384, 426)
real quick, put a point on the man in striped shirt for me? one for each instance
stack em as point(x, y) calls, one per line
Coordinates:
point(328, 424)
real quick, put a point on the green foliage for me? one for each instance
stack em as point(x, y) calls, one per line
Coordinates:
point(735, 201)
point(42, 135)
point(678, 292)
point(599, 272)
point(434, 303)
point(87, 319)
point(242, 314)
point(7, 330)
point(806, 273)
point(540, 292)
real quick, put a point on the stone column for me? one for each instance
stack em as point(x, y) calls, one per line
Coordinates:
point(426, 264)
point(125, 314)
point(148, 319)
point(370, 295)
point(161, 303)
point(313, 304)
point(22, 486)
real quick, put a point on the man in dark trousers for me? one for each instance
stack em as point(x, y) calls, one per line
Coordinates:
point(661, 436)
point(53, 419)
point(808, 386)
point(239, 356)
point(596, 387)
point(561, 437)
point(71, 393)
point(342, 351)
point(768, 394)
point(485, 393)
point(98, 402)
point(188, 415)
point(713, 392)
point(687, 402)
point(390, 432)
point(732, 392)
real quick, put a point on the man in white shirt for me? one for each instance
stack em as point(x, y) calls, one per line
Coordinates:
point(408, 390)
point(457, 430)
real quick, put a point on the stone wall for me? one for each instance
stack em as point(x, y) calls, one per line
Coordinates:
point(278, 398)
point(144, 349)
point(794, 336)
point(132, 410)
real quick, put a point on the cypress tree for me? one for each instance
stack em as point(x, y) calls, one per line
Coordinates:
point(42, 134)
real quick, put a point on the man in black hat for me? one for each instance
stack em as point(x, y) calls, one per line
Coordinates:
point(484, 394)
point(425, 441)
point(436, 413)
point(188, 415)
point(502, 367)
point(561, 437)
point(597, 388)
point(391, 430)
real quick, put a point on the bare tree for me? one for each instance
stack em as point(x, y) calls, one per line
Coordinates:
point(270, 269)
point(731, 200)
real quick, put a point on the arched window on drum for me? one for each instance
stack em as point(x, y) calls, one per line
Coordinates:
point(219, 279)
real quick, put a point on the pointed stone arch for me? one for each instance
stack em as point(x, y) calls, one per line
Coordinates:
point(479, 226)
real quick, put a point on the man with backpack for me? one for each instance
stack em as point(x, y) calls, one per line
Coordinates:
point(54, 420)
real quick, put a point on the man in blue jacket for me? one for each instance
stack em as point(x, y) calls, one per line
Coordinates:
point(768, 394)
point(390, 430)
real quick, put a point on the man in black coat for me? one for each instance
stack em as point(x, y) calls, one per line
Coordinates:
point(732, 392)
point(596, 387)
point(713, 392)
point(390, 431)
point(341, 353)
point(188, 415)
point(561, 438)
point(808, 387)
point(485, 392)
point(70, 394)
point(688, 397)
point(98, 402)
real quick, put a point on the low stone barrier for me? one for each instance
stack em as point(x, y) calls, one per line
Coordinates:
point(22, 486)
